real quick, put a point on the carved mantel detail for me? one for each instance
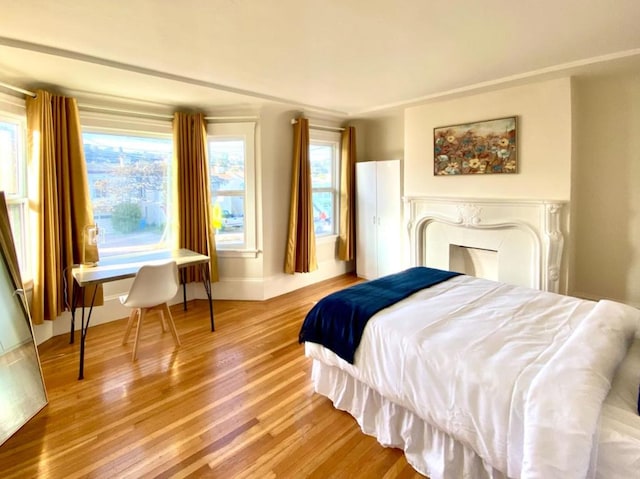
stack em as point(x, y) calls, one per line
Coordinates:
point(469, 214)
point(554, 244)
point(529, 235)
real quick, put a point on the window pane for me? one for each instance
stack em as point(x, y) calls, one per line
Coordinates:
point(323, 212)
point(226, 164)
point(12, 176)
point(227, 218)
point(323, 162)
point(18, 220)
point(129, 188)
point(227, 176)
point(9, 170)
point(321, 159)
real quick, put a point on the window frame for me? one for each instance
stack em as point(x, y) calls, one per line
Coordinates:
point(247, 132)
point(102, 123)
point(13, 110)
point(333, 138)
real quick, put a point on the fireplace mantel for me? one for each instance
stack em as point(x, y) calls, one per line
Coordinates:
point(529, 235)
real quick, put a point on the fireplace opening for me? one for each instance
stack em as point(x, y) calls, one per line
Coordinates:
point(478, 262)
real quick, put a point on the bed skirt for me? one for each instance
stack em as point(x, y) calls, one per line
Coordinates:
point(429, 451)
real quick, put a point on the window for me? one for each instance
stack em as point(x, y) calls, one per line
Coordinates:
point(232, 183)
point(324, 159)
point(129, 185)
point(13, 183)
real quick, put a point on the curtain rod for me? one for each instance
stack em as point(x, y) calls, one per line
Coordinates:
point(132, 112)
point(18, 89)
point(319, 127)
point(164, 116)
point(122, 110)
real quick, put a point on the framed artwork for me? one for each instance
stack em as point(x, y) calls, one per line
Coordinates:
point(479, 148)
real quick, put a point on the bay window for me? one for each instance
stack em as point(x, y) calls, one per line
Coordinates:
point(128, 162)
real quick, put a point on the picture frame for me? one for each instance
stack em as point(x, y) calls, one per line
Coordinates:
point(476, 148)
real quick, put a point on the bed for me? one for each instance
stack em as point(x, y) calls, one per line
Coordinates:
point(475, 378)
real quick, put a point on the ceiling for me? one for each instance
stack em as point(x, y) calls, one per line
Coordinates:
point(337, 57)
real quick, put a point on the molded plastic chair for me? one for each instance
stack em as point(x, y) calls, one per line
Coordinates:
point(152, 287)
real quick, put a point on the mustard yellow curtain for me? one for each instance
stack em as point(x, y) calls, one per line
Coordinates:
point(347, 239)
point(301, 242)
point(60, 206)
point(194, 196)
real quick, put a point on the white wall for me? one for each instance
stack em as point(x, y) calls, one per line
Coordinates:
point(578, 139)
point(381, 137)
point(607, 188)
point(544, 143)
point(277, 151)
point(595, 120)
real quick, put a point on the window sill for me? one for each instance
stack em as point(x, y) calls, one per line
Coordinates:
point(326, 239)
point(238, 253)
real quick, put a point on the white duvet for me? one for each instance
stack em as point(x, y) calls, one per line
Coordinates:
point(518, 375)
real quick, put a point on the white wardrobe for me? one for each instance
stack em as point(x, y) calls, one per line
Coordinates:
point(378, 218)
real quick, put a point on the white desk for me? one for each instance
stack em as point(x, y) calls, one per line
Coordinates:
point(126, 266)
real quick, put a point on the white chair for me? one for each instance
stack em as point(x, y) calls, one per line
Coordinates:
point(152, 287)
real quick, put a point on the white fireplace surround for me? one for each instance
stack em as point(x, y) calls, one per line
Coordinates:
point(528, 235)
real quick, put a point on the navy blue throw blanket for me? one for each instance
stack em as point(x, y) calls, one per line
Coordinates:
point(338, 320)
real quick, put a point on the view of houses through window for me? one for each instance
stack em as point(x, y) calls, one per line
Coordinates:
point(129, 186)
point(323, 156)
point(232, 181)
point(227, 182)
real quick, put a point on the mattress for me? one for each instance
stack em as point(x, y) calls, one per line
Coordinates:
point(388, 362)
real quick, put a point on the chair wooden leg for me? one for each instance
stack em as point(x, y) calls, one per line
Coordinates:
point(132, 317)
point(163, 321)
point(143, 312)
point(172, 325)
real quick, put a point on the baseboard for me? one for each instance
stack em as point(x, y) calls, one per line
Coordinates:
point(285, 283)
point(260, 289)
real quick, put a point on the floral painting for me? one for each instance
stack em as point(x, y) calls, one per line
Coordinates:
point(479, 148)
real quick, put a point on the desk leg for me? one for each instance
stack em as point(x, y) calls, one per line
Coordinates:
point(184, 289)
point(84, 328)
point(74, 304)
point(206, 282)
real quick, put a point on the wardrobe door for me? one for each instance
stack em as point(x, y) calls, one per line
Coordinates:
point(378, 218)
point(389, 205)
point(367, 220)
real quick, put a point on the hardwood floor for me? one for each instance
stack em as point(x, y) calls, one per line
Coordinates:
point(236, 403)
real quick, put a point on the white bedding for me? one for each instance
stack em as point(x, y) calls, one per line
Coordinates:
point(516, 375)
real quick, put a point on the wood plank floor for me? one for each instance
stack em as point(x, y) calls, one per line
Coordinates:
point(236, 403)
